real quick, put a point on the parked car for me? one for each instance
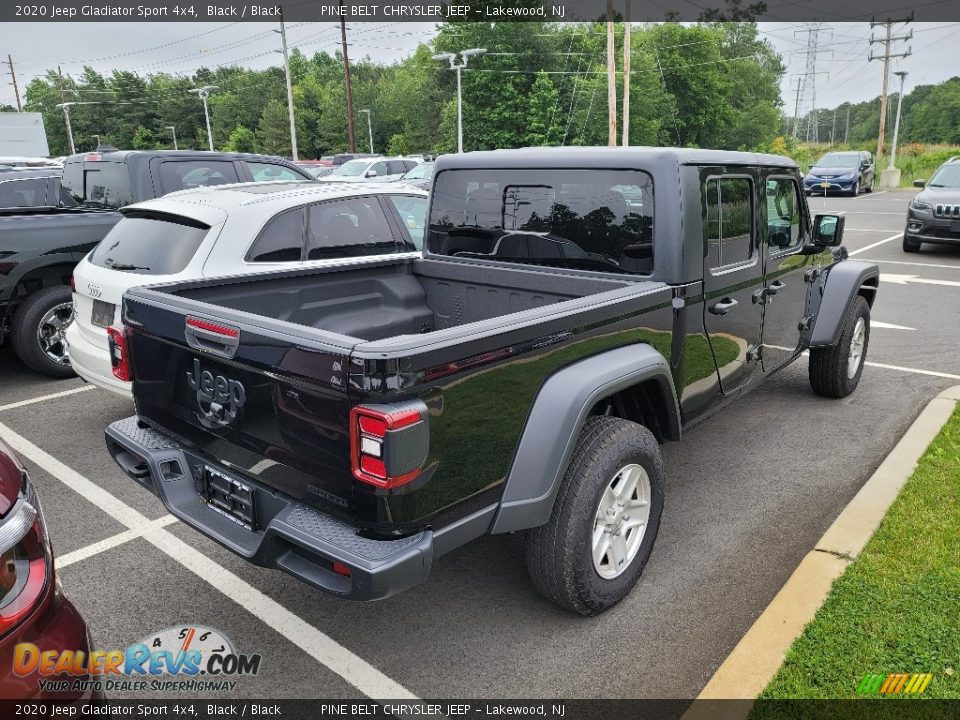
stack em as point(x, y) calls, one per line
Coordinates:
point(848, 172)
point(33, 608)
point(233, 230)
point(933, 216)
point(40, 246)
point(370, 170)
point(316, 170)
point(350, 425)
point(33, 188)
point(421, 176)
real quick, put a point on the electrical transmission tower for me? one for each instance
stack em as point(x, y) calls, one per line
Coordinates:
point(887, 56)
point(807, 89)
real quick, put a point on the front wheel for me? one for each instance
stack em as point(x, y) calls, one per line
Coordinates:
point(605, 518)
point(835, 370)
point(855, 189)
point(40, 329)
point(910, 246)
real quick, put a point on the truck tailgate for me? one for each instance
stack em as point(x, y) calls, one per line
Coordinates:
point(271, 406)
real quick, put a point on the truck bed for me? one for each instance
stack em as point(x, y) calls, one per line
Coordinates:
point(384, 302)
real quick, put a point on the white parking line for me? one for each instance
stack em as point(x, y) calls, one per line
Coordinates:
point(916, 371)
point(871, 194)
point(324, 649)
point(916, 264)
point(876, 230)
point(44, 398)
point(873, 245)
point(111, 542)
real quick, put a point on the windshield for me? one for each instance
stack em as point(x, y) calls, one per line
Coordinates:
point(353, 168)
point(423, 171)
point(150, 244)
point(947, 176)
point(589, 219)
point(839, 160)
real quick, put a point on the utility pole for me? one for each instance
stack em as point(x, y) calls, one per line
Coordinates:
point(66, 112)
point(796, 109)
point(611, 79)
point(204, 93)
point(896, 125)
point(173, 129)
point(66, 119)
point(806, 99)
point(886, 57)
point(346, 80)
point(846, 133)
point(13, 78)
point(833, 128)
point(286, 72)
point(626, 75)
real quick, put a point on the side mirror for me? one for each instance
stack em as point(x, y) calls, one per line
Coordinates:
point(828, 230)
point(919, 183)
point(371, 173)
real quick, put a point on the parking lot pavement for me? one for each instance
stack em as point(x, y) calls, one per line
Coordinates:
point(748, 493)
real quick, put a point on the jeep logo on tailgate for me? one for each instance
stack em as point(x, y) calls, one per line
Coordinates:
point(219, 398)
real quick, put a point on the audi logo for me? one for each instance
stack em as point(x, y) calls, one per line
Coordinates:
point(93, 290)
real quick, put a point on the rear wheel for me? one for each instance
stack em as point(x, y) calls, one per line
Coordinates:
point(911, 246)
point(835, 371)
point(605, 519)
point(39, 332)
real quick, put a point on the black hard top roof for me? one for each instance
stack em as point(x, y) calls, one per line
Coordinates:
point(607, 157)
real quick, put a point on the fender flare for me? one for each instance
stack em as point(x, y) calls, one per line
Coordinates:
point(842, 284)
point(554, 422)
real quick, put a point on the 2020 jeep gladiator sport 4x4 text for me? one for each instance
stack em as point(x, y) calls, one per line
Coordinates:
point(573, 309)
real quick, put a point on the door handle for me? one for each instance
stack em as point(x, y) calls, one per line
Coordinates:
point(723, 307)
point(775, 287)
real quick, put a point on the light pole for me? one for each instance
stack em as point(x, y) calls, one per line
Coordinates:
point(896, 125)
point(286, 72)
point(66, 117)
point(204, 93)
point(369, 128)
point(452, 59)
point(173, 129)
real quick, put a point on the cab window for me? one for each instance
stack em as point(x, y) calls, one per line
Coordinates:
point(784, 216)
point(729, 216)
point(268, 171)
point(281, 240)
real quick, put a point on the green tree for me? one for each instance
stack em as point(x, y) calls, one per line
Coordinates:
point(273, 130)
point(143, 139)
point(242, 140)
point(541, 126)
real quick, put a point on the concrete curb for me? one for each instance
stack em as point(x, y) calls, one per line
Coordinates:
point(756, 658)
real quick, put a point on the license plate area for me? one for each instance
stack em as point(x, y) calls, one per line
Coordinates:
point(229, 497)
point(103, 312)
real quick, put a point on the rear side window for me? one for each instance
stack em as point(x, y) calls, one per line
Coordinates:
point(150, 244)
point(412, 211)
point(185, 174)
point(106, 184)
point(281, 240)
point(587, 219)
point(29, 192)
point(729, 227)
point(348, 228)
point(268, 171)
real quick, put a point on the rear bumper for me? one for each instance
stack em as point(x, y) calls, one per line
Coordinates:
point(92, 363)
point(288, 536)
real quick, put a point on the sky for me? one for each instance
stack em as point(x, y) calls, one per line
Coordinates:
point(181, 48)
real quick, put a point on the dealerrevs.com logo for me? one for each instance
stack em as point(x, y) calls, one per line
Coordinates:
point(894, 683)
point(188, 658)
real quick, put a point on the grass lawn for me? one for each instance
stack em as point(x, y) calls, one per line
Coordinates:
point(897, 607)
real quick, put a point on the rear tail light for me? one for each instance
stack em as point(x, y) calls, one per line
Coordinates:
point(388, 444)
point(73, 283)
point(341, 568)
point(7, 267)
point(26, 560)
point(119, 354)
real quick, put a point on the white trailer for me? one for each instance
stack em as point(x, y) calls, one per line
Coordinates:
point(22, 135)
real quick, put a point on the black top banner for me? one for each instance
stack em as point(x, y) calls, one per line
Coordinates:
point(477, 10)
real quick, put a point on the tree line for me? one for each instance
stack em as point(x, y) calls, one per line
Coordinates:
point(930, 114)
point(710, 84)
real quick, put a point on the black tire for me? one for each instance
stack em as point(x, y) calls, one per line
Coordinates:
point(559, 554)
point(26, 323)
point(829, 369)
point(911, 246)
point(855, 189)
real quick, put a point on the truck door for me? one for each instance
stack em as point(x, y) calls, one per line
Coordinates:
point(784, 228)
point(732, 274)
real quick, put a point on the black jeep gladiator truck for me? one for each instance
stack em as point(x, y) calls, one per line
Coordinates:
point(41, 244)
point(573, 308)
